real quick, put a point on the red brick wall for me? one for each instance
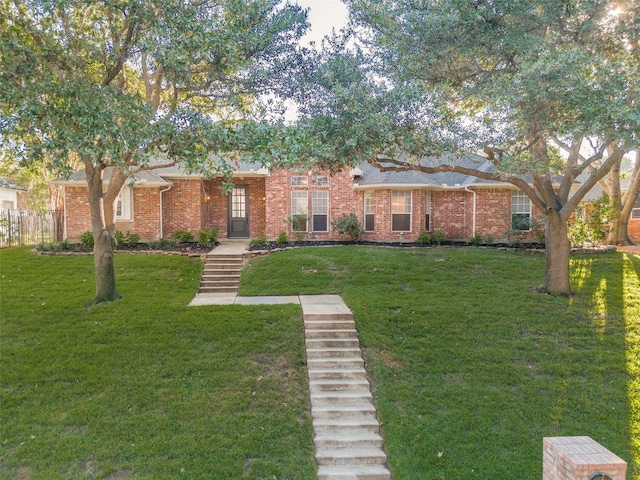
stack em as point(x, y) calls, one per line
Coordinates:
point(634, 230)
point(182, 207)
point(215, 205)
point(342, 199)
point(146, 213)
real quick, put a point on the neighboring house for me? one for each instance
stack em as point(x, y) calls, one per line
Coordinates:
point(9, 194)
point(303, 203)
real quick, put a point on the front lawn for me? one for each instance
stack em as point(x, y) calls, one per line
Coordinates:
point(145, 387)
point(471, 367)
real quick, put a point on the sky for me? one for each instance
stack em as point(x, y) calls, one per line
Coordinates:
point(323, 16)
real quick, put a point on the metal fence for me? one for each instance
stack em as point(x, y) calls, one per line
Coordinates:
point(26, 227)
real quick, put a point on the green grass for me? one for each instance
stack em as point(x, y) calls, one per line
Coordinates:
point(471, 366)
point(145, 387)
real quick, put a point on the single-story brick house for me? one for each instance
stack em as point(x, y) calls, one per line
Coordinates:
point(392, 206)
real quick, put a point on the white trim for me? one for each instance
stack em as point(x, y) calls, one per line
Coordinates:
point(393, 192)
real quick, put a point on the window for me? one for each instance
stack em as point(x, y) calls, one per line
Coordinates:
point(299, 210)
point(635, 213)
point(8, 205)
point(320, 181)
point(320, 211)
point(427, 210)
point(401, 211)
point(369, 210)
point(520, 211)
point(299, 181)
point(124, 205)
point(238, 203)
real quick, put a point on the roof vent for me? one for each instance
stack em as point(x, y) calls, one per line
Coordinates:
point(356, 172)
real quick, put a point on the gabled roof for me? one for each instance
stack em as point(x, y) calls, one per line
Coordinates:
point(373, 178)
point(8, 184)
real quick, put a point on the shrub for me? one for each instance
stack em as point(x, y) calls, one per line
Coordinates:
point(182, 236)
point(126, 240)
point(476, 239)
point(154, 244)
point(282, 238)
point(424, 238)
point(87, 240)
point(437, 237)
point(348, 224)
point(258, 241)
point(208, 235)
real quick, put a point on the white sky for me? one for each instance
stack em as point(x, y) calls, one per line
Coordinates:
point(323, 16)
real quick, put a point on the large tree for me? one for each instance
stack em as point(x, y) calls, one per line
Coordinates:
point(531, 83)
point(113, 83)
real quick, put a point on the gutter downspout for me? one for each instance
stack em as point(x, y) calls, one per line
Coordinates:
point(473, 192)
point(161, 210)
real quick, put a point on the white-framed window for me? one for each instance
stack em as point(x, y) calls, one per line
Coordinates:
point(520, 210)
point(299, 210)
point(320, 211)
point(8, 205)
point(635, 213)
point(320, 181)
point(369, 210)
point(427, 210)
point(299, 180)
point(401, 210)
point(124, 205)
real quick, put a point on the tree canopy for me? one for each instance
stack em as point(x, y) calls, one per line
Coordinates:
point(547, 89)
point(116, 83)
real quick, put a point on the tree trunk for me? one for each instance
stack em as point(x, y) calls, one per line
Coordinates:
point(558, 251)
point(104, 238)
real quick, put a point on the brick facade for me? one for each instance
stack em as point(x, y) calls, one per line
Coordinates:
point(192, 203)
point(146, 213)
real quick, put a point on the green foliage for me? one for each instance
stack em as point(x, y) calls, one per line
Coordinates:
point(282, 238)
point(437, 237)
point(87, 240)
point(181, 236)
point(299, 223)
point(126, 240)
point(348, 224)
point(476, 239)
point(262, 240)
point(208, 235)
point(587, 226)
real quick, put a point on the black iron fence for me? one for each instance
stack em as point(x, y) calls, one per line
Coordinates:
point(26, 227)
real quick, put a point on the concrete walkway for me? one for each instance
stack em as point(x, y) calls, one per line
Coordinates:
point(346, 430)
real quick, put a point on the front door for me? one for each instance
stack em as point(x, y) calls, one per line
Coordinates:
point(238, 224)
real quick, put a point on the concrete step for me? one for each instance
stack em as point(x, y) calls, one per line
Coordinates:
point(351, 456)
point(340, 398)
point(208, 268)
point(356, 472)
point(335, 362)
point(217, 289)
point(337, 373)
point(220, 276)
point(219, 283)
point(330, 333)
point(329, 324)
point(337, 352)
point(362, 408)
point(332, 342)
point(323, 315)
point(337, 440)
point(347, 425)
point(338, 385)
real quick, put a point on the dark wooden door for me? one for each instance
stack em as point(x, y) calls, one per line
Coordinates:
point(238, 208)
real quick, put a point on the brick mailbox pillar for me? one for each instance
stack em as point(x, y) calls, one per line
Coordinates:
point(580, 458)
